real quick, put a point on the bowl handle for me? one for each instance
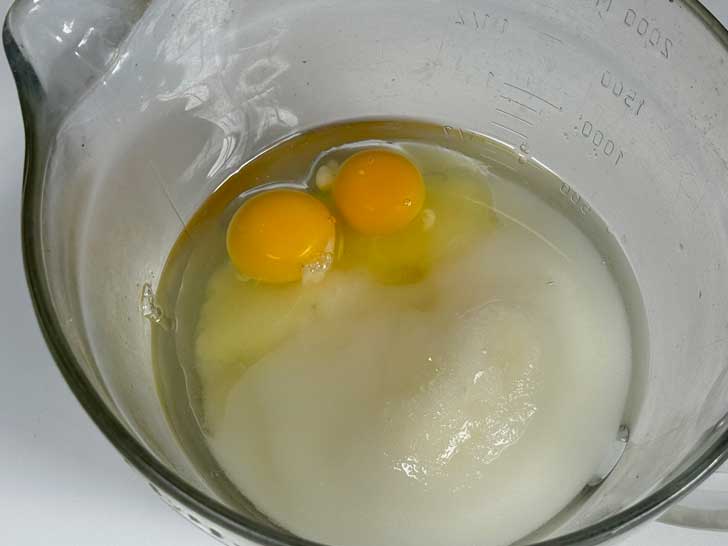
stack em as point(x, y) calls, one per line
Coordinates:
point(704, 508)
point(58, 49)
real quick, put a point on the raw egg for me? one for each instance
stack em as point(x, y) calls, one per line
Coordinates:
point(378, 192)
point(274, 235)
point(457, 213)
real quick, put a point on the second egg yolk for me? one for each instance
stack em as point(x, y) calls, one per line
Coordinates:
point(275, 234)
point(378, 192)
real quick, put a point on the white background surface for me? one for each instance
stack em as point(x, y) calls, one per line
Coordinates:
point(61, 482)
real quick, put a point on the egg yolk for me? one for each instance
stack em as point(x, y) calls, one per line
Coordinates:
point(275, 234)
point(378, 192)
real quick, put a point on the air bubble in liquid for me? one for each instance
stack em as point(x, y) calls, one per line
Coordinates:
point(315, 271)
point(150, 310)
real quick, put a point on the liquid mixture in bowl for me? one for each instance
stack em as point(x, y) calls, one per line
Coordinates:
point(382, 336)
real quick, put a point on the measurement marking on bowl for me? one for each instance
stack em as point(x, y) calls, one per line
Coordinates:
point(574, 198)
point(482, 21)
point(551, 37)
point(602, 3)
point(533, 95)
point(619, 90)
point(653, 35)
point(511, 99)
point(599, 140)
point(514, 116)
point(644, 26)
point(450, 131)
point(505, 127)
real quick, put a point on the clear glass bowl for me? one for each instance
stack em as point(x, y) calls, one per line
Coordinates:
point(135, 111)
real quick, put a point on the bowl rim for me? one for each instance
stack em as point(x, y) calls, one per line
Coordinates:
point(160, 477)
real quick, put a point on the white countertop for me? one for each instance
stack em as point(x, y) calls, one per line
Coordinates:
point(61, 482)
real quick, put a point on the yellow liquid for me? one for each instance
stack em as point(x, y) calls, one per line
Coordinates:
point(455, 383)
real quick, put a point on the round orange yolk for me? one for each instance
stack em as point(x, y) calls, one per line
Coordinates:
point(378, 192)
point(274, 234)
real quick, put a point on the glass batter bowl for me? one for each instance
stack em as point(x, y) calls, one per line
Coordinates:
point(136, 111)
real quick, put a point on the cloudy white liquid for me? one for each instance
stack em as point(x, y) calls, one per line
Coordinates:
point(465, 409)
